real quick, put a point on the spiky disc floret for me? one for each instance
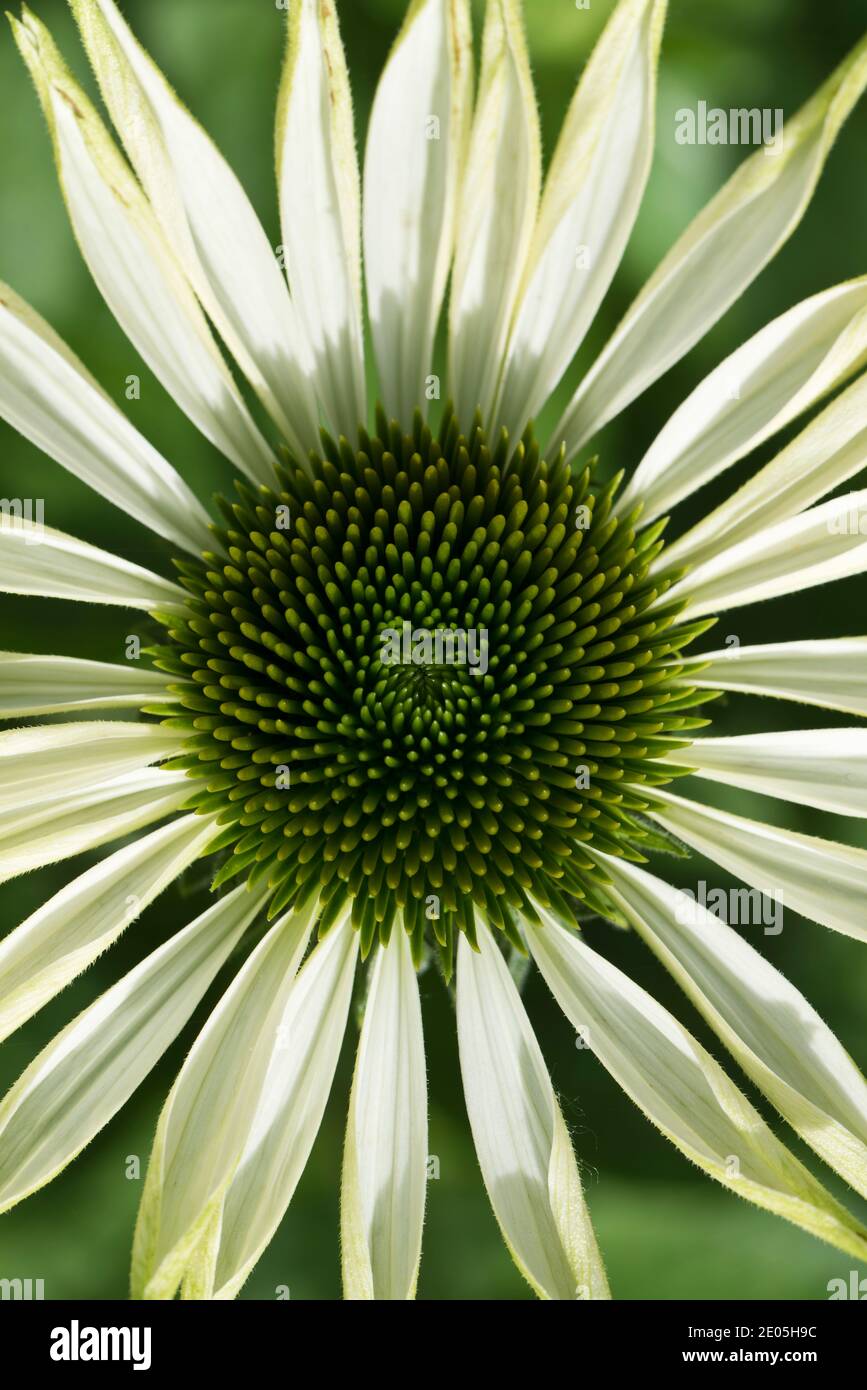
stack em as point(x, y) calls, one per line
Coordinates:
point(427, 788)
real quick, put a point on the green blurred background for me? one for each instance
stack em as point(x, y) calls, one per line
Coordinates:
point(666, 1231)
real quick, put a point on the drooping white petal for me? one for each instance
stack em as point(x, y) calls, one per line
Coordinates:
point(831, 674)
point(416, 147)
point(830, 451)
point(497, 209)
point(31, 684)
point(716, 258)
point(320, 209)
point(592, 196)
point(820, 879)
point(385, 1159)
point(46, 394)
point(62, 938)
point(769, 381)
point(290, 1107)
point(133, 265)
point(207, 1117)
point(82, 1078)
point(207, 219)
point(825, 768)
point(783, 1045)
point(37, 560)
point(47, 759)
point(826, 543)
point(523, 1147)
point(59, 825)
point(681, 1089)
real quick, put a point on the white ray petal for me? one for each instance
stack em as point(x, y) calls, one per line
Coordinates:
point(59, 826)
point(209, 1111)
point(826, 543)
point(207, 219)
point(522, 1144)
point(320, 209)
point(54, 759)
point(82, 1078)
point(416, 147)
point(772, 379)
point(32, 684)
point(384, 1184)
point(825, 768)
point(783, 1045)
point(592, 196)
point(831, 674)
point(132, 263)
point(37, 560)
point(822, 880)
point(64, 936)
point(50, 399)
point(498, 203)
point(830, 451)
point(682, 1090)
point(717, 257)
point(290, 1108)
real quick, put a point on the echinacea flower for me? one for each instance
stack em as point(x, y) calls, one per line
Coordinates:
point(369, 810)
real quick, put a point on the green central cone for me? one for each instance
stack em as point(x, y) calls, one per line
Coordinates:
point(428, 789)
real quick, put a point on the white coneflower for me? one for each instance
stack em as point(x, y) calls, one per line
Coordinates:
point(400, 811)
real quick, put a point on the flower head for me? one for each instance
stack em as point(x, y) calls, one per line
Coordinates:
point(420, 778)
